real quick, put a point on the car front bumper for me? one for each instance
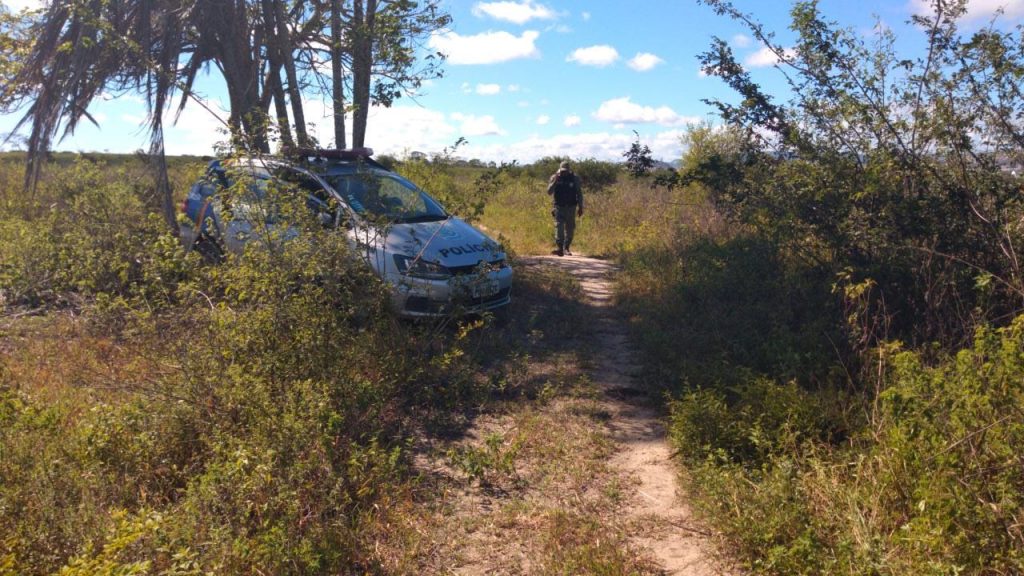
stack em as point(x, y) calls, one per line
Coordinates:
point(466, 294)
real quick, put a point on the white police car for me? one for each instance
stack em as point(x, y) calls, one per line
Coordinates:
point(435, 263)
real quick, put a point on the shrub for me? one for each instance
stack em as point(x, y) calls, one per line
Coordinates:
point(234, 418)
point(89, 233)
point(922, 206)
point(931, 486)
point(596, 175)
point(710, 312)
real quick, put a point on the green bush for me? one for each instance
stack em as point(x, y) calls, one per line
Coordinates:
point(952, 435)
point(746, 424)
point(921, 206)
point(230, 418)
point(88, 233)
point(596, 175)
point(930, 485)
point(709, 312)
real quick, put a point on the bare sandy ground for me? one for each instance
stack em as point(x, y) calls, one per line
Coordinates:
point(671, 534)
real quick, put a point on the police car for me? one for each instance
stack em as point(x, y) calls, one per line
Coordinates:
point(435, 263)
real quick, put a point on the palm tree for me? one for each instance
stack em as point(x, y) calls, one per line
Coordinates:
point(83, 48)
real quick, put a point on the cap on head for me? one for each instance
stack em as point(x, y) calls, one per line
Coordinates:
point(564, 165)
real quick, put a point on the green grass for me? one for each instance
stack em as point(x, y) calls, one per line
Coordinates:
point(811, 452)
point(158, 414)
point(617, 220)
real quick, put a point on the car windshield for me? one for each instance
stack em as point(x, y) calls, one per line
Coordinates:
point(386, 196)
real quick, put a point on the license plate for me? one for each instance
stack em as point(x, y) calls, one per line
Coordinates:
point(483, 289)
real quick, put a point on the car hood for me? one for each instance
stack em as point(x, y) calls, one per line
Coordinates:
point(450, 242)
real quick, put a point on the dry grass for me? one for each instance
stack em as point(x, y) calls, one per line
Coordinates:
point(625, 217)
point(527, 488)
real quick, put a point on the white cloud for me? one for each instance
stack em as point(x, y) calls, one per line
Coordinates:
point(543, 119)
point(741, 41)
point(406, 128)
point(766, 57)
point(523, 104)
point(977, 9)
point(399, 129)
point(600, 55)
point(606, 146)
point(571, 120)
point(514, 12)
point(471, 125)
point(644, 61)
point(586, 16)
point(513, 88)
point(19, 5)
point(198, 130)
point(485, 48)
point(488, 89)
point(624, 111)
point(396, 131)
point(466, 88)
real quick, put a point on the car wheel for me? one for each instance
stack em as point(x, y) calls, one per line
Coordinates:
point(210, 250)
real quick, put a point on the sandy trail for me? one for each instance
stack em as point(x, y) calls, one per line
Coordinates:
point(665, 524)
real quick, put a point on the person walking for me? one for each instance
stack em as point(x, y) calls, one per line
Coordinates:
point(566, 193)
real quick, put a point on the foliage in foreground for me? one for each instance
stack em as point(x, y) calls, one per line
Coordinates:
point(931, 485)
point(907, 466)
point(845, 368)
point(182, 418)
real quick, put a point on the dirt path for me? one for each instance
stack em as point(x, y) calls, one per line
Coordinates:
point(568, 471)
point(642, 452)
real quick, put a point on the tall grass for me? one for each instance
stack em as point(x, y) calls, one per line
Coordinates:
point(162, 415)
point(618, 219)
point(158, 414)
point(815, 446)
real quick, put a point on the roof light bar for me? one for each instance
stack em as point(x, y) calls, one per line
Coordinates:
point(335, 154)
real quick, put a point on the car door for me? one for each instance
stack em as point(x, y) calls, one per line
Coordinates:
point(318, 198)
point(247, 209)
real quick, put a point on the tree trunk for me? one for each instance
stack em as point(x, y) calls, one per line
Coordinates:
point(231, 25)
point(337, 79)
point(283, 46)
point(280, 107)
point(272, 88)
point(248, 129)
point(362, 65)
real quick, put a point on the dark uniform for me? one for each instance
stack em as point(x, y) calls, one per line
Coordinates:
point(566, 193)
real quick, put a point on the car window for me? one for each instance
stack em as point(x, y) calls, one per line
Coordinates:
point(386, 196)
point(317, 198)
point(255, 204)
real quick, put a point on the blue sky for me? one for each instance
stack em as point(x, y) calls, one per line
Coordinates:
point(533, 78)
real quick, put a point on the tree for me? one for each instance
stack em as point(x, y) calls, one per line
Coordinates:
point(638, 158)
point(337, 74)
point(280, 56)
point(57, 62)
point(385, 38)
point(81, 48)
point(14, 44)
point(885, 165)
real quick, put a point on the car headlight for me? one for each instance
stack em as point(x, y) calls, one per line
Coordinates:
point(417, 268)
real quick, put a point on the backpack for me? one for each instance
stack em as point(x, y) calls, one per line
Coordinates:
point(566, 189)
